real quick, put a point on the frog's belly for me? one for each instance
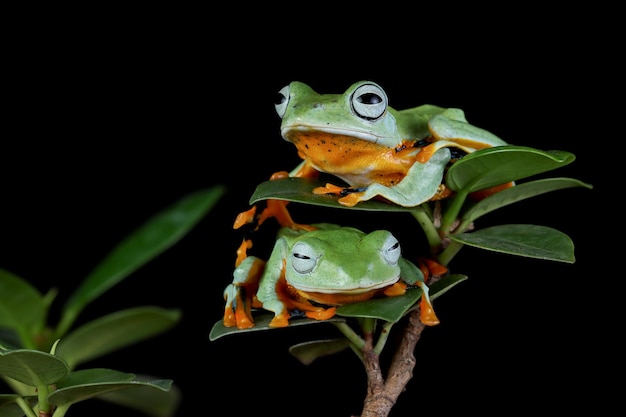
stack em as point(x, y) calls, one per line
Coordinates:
point(356, 161)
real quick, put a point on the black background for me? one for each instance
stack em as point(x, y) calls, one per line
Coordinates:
point(106, 125)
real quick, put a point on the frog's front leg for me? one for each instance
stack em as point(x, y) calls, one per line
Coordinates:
point(276, 296)
point(421, 184)
point(240, 295)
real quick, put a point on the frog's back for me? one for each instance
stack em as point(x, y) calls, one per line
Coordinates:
point(413, 123)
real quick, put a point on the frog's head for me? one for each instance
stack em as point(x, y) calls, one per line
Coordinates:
point(361, 112)
point(343, 262)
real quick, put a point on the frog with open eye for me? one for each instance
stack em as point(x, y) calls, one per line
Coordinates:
point(315, 271)
point(395, 155)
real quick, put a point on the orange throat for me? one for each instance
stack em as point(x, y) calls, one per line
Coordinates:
point(356, 160)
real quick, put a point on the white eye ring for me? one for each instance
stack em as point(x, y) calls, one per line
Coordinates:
point(369, 101)
point(282, 101)
point(303, 258)
point(391, 250)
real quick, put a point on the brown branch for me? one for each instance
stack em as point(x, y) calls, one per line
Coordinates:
point(382, 395)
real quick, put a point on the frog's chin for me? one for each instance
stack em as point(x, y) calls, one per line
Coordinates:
point(332, 296)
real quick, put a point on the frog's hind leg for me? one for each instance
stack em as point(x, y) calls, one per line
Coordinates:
point(427, 312)
point(240, 295)
point(273, 209)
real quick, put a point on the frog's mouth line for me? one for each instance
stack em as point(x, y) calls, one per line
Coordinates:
point(348, 291)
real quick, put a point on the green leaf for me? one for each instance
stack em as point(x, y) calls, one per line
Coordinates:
point(307, 352)
point(94, 376)
point(389, 309)
point(85, 384)
point(113, 332)
point(392, 309)
point(517, 193)
point(262, 319)
point(9, 406)
point(409, 272)
point(301, 190)
point(526, 240)
point(443, 285)
point(32, 367)
point(22, 308)
point(502, 164)
point(146, 399)
point(158, 234)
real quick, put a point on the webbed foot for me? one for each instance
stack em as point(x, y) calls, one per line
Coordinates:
point(237, 310)
point(240, 295)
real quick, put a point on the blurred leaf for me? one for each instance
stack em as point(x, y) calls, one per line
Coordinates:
point(90, 383)
point(146, 399)
point(32, 367)
point(517, 193)
point(113, 332)
point(22, 307)
point(502, 164)
point(155, 236)
point(527, 240)
point(9, 407)
point(307, 352)
point(94, 376)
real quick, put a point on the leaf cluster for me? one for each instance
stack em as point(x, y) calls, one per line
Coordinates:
point(448, 226)
point(40, 361)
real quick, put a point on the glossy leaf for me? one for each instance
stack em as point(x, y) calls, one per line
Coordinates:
point(502, 164)
point(387, 308)
point(262, 320)
point(32, 367)
point(443, 285)
point(22, 307)
point(152, 238)
point(409, 272)
point(526, 240)
point(307, 352)
point(517, 193)
point(113, 332)
point(301, 190)
point(392, 309)
point(89, 383)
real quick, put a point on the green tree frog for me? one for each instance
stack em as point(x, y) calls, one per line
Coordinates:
point(396, 155)
point(315, 271)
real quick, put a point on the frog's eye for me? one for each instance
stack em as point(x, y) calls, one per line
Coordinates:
point(303, 258)
point(391, 250)
point(369, 101)
point(281, 101)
